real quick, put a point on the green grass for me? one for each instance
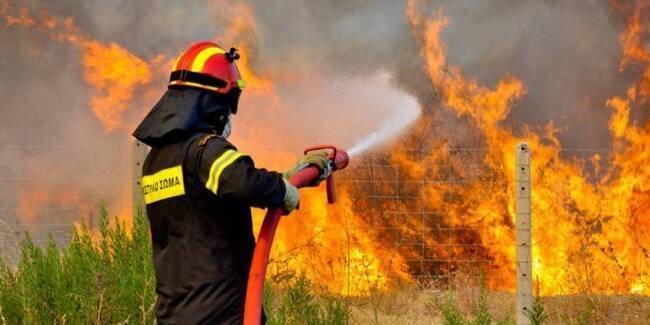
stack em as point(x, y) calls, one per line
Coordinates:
point(106, 276)
point(296, 304)
point(537, 315)
point(480, 314)
point(109, 280)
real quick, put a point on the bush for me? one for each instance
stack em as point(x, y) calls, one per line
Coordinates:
point(106, 276)
point(107, 280)
point(298, 305)
point(537, 315)
point(480, 315)
point(451, 311)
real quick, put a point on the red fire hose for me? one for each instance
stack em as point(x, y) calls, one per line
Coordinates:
point(255, 289)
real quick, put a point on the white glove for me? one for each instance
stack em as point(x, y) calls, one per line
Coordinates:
point(291, 196)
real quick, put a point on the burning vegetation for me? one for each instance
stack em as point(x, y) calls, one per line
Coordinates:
point(584, 232)
point(589, 233)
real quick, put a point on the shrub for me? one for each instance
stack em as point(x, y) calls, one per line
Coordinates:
point(106, 280)
point(298, 305)
point(537, 315)
point(480, 314)
point(106, 275)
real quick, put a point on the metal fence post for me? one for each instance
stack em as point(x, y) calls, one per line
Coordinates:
point(523, 233)
point(138, 155)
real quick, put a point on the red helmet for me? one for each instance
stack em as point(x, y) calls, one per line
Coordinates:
point(205, 65)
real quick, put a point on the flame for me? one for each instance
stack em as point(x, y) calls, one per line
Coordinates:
point(329, 244)
point(38, 200)
point(22, 18)
point(114, 74)
point(350, 260)
point(583, 232)
point(635, 50)
point(589, 235)
point(112, 71)
point(242, 33)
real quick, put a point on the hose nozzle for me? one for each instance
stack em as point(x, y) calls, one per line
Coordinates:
point(339, 159)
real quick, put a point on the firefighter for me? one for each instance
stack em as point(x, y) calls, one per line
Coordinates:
point(199, 190)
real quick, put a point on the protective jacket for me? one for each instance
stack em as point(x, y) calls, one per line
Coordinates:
point(198, 190)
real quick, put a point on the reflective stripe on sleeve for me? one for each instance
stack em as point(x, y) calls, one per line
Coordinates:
point(219, 164)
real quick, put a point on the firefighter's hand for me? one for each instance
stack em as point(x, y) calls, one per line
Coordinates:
point(291, 196)
point(318, 159)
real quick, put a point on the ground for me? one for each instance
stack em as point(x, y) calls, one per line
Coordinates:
point(414, 306)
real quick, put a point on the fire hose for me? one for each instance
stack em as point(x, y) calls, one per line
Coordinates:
point(255, 291)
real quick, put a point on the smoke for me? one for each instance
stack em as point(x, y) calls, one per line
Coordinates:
point(341, 71)
point(567, 54)
point(54, 142)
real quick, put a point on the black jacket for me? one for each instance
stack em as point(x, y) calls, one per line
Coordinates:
point(198, 195)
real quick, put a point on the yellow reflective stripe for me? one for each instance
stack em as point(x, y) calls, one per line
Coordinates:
point(164, 184)
point(221, 168)
point(199, 60)
point(241, 84)
point(225, 160)
point(217, 162)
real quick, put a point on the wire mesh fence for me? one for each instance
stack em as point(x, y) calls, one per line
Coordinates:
point(434, 217)
point(408, 220)
point(430, 217)
point(45, 190)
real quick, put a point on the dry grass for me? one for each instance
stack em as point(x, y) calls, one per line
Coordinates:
point(593, 309)
point(415, 305)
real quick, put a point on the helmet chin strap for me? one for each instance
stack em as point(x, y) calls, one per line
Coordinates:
point(228, 128)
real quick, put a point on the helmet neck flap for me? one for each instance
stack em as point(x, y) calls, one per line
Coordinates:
point(182, 112)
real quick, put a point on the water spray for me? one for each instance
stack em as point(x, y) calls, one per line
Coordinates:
point(339, 159)
point(387, 130)
point(365, 144)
